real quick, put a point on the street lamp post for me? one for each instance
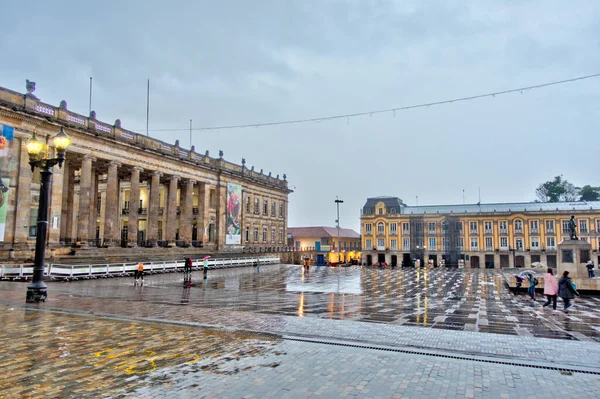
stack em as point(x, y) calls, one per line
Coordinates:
point(38, 157)
point(337, 203)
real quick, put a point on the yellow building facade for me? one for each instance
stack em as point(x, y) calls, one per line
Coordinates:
point(497, 236)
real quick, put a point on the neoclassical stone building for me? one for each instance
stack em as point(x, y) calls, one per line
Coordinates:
point(119, 188)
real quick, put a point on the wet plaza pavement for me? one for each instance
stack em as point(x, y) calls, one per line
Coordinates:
point(278, 333)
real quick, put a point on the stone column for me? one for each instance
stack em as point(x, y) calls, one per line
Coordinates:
point(93, 208)
point(134, 205)
point(154, 204)
point(69, 229)
point(85, 185)
point(221, 210)
point(67, 201)
point(56, 201)
point(23, 209)
point(171, 221)
point(203, 206)
point(496, 260)
point(111, 216)
point(186, 204)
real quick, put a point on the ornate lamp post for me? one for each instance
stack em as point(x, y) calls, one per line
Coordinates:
point(38, 157)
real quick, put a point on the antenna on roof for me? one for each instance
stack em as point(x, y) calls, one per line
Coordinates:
point(417, 200)
point(479, 203)
point(463, 196)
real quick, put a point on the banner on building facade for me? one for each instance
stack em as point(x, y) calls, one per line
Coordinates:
point(234, 215)
point(7, 134)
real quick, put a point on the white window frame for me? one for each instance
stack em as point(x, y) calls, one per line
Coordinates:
point(394, 245)
point(504, 243)
point(489, 244)
point(405, 228)
point(583, 226)
point(474, 241)
point(380, 228)
point(406, 244)
point(273, 235)
point(460, 243)
point(503, 227)
point(432, 244)
point(393, 228)
point(280, 236)
point(473, 227)
point(488, 227)
point(255, 234)
point(369, 244)
point(535, 243)
point(534, 226)
point(549, 226)
point(368, 228)
point(381, 244)
point(518, 226)
point(565, 226)
point(550, 243)
point(429, 227)
point(265, 234)
point(519, 244)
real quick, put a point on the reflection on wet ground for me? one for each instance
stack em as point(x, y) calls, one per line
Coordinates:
point(49, 355)
point(439, 299)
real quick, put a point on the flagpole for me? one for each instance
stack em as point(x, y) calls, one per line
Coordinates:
point(147, 106)
point(190, 134)
point(90, 110)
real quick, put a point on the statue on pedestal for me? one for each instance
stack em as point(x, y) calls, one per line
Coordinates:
point(572, 227)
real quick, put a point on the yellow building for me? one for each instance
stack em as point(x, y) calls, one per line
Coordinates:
point(478, 236)
point(331, 246)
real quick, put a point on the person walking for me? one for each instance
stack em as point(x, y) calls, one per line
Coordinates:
point(532, 283)
point(187, 270)
point(140, 273)
point(590, 267)
point(566, 290)
point(550, 288)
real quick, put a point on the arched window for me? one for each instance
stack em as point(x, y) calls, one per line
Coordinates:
point(380, 228)
point(518, 226)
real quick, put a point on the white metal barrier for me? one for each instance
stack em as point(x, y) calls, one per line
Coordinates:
point(57, 271)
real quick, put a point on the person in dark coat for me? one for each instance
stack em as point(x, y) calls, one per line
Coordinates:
point(566, 290)
point(590, 267)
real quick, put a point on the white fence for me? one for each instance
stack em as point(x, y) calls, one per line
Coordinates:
point(55, 271)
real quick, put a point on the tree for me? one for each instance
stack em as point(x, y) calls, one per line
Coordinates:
point(589, 193)
point(557, 190)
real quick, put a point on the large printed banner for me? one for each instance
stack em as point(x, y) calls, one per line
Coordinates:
point(7, 134)
point(234, 214)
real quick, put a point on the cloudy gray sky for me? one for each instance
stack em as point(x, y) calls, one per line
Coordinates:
point(235, 62)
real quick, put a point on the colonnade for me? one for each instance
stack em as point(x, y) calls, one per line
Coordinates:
point(176, 218)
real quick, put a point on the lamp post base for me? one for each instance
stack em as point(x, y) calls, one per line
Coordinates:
point(36, 292)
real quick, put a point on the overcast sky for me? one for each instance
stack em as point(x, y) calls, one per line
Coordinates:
point(235, 62)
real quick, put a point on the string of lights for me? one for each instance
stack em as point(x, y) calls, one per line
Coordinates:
point(520, 90)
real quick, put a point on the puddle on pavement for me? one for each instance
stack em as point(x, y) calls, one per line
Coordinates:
point(58, 355)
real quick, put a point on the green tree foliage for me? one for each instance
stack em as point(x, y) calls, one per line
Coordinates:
point(589, 193)
point(556, 190)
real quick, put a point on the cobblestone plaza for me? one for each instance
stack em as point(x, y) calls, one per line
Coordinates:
point(282, 332)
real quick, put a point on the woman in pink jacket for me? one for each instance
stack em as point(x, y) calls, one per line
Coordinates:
point(550, 288)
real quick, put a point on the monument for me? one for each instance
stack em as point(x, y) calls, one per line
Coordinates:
point(573, 255)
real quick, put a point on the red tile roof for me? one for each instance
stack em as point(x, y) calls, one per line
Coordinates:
point(321, 231)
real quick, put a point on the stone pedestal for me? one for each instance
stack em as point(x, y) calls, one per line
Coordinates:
point(573, 256)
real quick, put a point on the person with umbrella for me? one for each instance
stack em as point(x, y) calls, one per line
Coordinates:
point(205, 265)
